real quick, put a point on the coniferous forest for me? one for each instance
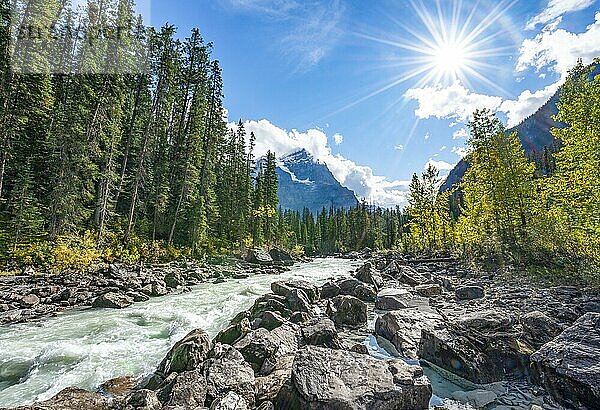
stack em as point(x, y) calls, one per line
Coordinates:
point(141, 165)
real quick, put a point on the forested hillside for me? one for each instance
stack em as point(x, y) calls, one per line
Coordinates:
point(132, 165)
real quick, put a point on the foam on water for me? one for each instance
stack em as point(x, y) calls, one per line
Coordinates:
point(85, 347)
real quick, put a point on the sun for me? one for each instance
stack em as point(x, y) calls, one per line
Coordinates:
point(450, 58)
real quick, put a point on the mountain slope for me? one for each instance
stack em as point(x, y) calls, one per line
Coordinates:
point(534, 133)
point(305, 182)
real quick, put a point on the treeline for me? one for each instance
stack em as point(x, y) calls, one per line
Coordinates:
point(126, 165)
point(505, 210)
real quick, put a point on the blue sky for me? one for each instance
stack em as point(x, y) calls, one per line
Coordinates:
point(377, 89)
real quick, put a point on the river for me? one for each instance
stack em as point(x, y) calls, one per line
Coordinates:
point(85, 347)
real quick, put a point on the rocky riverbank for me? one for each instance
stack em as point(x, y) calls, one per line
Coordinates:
point(35, 296)
point(512, 343)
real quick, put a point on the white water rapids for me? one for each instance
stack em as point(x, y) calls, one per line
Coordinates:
point(85, 347)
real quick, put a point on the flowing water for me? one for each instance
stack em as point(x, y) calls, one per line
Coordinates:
point(85, 347)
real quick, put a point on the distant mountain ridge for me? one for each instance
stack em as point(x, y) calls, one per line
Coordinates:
point(533, 132)
point(305, 182)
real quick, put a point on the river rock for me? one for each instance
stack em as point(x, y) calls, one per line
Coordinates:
point(428, 290)
point(231, 401)
point(259, 256)
point(271, 320)
point(112, 301)
point(568, 366)
point(403, 328)
point(142, 400)
point(268, 387)
point(73, 398)
point(321, 333)
point(469, 292)
point(297, 301)
point(281, 256)
point(348, 311)
point(234, 332)
point(365, 292)
point(282, 288)
point(368, 274)
point(227, 371)
point(187, 389)
point(329, 290)
point(336, 379)
point(538, 328)
point(29, 301)
point(158, 289)
point(392, 299)
point(187, 354)
point(409, 276)
point(257, 346)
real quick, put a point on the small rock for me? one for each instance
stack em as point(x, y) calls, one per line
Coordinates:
point(348, 311)
point(469, 292)
point(112, 301)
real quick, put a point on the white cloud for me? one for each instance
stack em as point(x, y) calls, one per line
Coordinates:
point(452, 102)
point(559, 49)
point(460, 151)
point(461, 133)
point(527, 103)
point(359, 178)
point(556, 9)
point(399, 147)
point(338, 139)
point(427, 136)
point(443, 148)
point(439, 165)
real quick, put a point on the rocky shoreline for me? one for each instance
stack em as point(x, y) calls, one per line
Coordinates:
point(36, 296)
point(515, 343)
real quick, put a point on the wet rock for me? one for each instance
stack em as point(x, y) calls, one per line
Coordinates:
point(231, 401)
point(259, 257)
point(568, 366)
point(348, 311)
point(112, 301)
point(538, 328)
point(321, 333)
point(158, 289)
point(269, 302)
point(469, 292)
point(187, 354)
point(227, 371)
point(392, 299)
point(119, 386)
point(478, 398)
point(335, 379)
point(234, 332)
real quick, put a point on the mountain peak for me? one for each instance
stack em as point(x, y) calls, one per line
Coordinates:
point(299, 156)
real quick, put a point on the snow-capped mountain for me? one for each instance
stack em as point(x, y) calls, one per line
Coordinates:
point(306, 182)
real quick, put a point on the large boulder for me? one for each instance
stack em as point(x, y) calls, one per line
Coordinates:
point(281, 256)
point(187, 354)
point(268, 387)
point(348, 311)
point(227, 371)
point(142, 400)
point(368, 274)
point(337, 379)
point(408, 276)
point(112, 300)
point(538, 328)
point(321, 333)
point(234, 332)
point(231, 401)
point(261, 347)
point(568, 366)
point(282, 288)
point(393, 299)
point(403, 328)
point(259, 257)
point(186, 389)
point(73, 398)
point(357, 288)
